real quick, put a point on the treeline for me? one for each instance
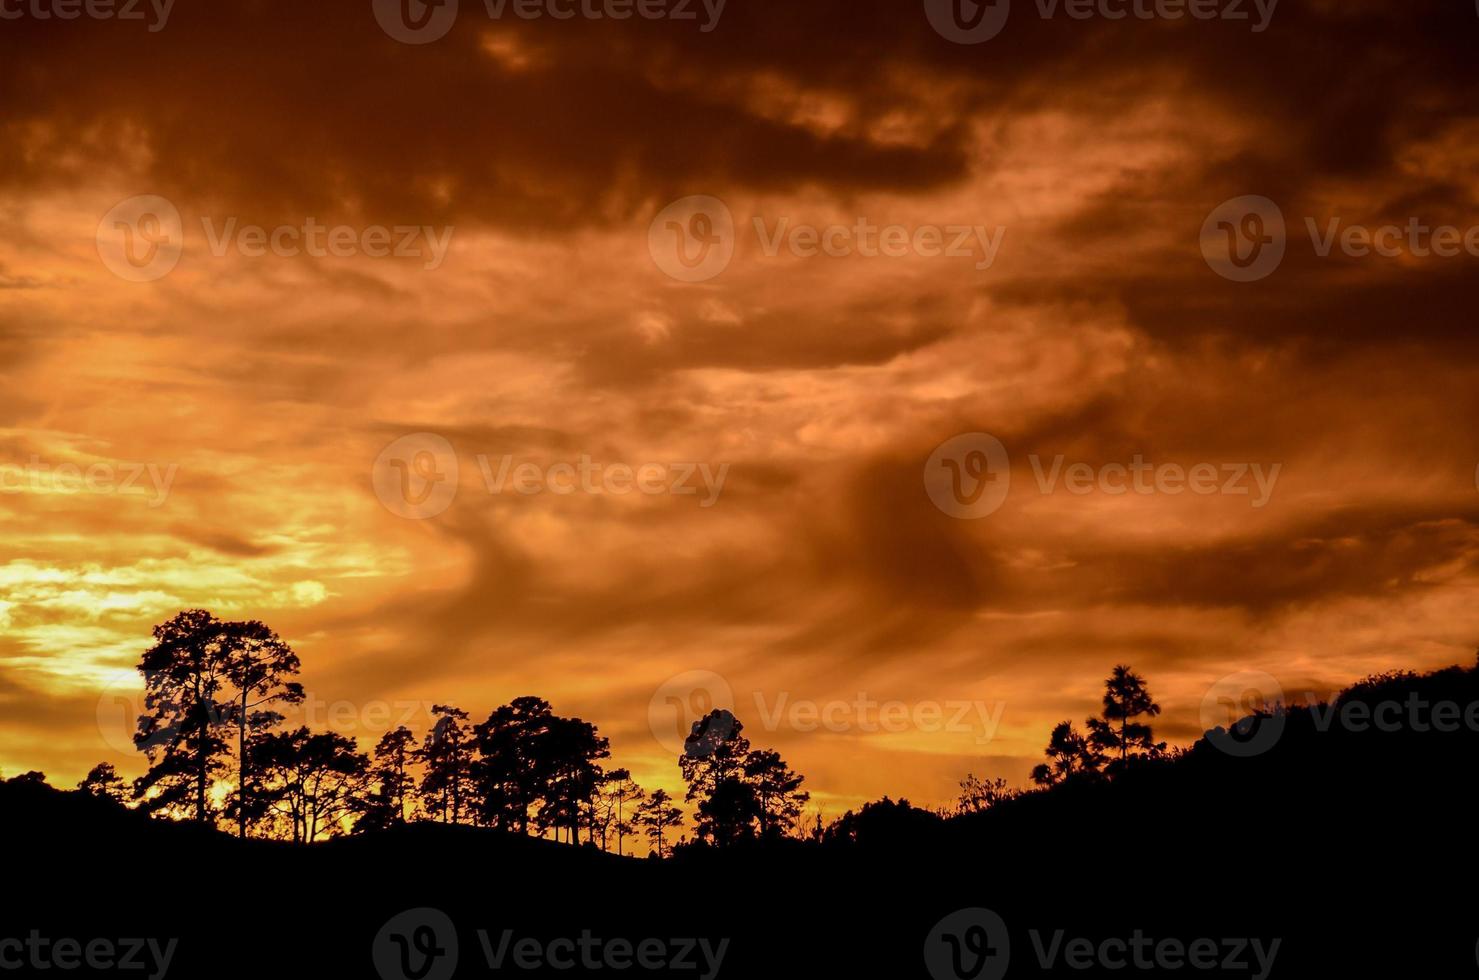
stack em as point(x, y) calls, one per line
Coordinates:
point(212, 732)
point(218, 754)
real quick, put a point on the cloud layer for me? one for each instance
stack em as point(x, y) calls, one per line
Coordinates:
point(823, 572)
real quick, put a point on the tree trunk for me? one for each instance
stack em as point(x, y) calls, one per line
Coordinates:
point(204, 759)
point(241, 768)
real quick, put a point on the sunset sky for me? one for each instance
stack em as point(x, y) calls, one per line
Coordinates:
point(235, 411)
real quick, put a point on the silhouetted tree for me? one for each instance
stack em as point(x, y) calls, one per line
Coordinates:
point(882, 823)
point(658, 816)
point(312, 780)
point(103, 781)
point(628, 796)
point(257, 664)
point(714, 751)
point(568, 753)
point(1125, 699)
point(977, 795)
point(529, 757)
point(713, 764)
point(446, 755)
point(185, 674)
point(391, 782)
point(34, 777)
point(1070, 755)
point(730, 813)
point(777, 791)
point(507, 774)
point(818, 829)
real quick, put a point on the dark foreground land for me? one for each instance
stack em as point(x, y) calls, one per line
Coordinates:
point(1350, 846)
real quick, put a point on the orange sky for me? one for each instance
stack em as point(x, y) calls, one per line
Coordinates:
point(262, 389)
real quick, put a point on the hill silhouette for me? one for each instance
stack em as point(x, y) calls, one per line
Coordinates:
point(1346, 836)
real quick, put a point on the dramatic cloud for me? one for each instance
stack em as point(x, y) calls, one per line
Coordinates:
point(209, 436)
